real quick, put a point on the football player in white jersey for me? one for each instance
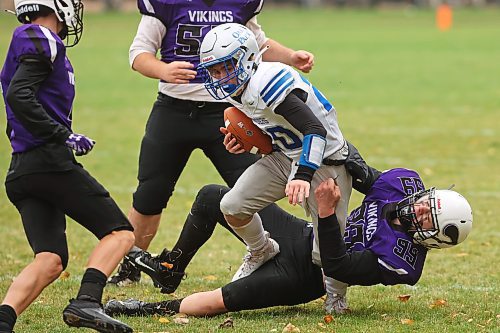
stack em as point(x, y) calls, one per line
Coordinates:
point(309, 146)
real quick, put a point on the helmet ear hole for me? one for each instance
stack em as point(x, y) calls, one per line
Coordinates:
point(452, 232)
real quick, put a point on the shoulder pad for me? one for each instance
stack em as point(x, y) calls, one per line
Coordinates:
point(160, 9)
point(33, 39)
point(274, 83)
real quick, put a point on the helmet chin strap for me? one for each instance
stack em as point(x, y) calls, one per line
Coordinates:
point(259, 55)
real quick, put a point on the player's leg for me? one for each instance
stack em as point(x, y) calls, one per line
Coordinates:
point(80, 196)
point(289, 280)
point(163, 155)
point(261, 184)
point(44, 226)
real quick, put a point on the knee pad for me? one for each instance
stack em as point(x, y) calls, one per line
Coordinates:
point(209, 195)
point(152, 196)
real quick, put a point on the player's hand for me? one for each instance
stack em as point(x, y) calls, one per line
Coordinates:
point(178, 72)
point(81, 144)
point(327, 196)
point(297, 191)
point(230, 142)
point(302, 60)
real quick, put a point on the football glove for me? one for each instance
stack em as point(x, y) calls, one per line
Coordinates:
point(81, 144)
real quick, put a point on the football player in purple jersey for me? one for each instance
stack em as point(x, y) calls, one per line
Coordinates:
point(44, 181)
point(184, 116)
point(386, 241)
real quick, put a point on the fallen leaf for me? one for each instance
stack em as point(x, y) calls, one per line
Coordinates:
point(321, 325)
point(181, 320)
point(181, 315)
point(404, 298)
point(407, 321)
point(227, 323)
point(328, 319)
point(164, 320)
point(290, 328)
point(210, 278)
point(470, 320)
point(437, 303)
point(64, 275)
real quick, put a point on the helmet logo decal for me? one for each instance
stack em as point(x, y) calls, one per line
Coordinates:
point(27, 9)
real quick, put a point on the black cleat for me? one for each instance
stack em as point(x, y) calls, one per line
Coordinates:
point(84, 313)
point(127, 273)
point(134, 307)
point(161, 269)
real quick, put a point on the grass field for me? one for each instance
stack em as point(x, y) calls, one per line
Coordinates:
point(406, 95)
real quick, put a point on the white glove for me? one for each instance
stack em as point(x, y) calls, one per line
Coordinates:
point(336, 301)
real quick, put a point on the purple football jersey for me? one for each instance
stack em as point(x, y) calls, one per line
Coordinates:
point(57, 92)
point(188, 22)
point(400, 260)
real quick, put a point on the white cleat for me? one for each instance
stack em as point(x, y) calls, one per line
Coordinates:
point(256, 258)
point(336, 303)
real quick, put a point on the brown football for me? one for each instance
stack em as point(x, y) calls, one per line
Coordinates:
point(248, 135)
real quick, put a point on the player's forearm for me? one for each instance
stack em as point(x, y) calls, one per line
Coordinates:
point(277, 52)
point(148, 65)
point(357, 268)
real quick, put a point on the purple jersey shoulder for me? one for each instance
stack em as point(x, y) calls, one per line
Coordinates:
point(400, 260)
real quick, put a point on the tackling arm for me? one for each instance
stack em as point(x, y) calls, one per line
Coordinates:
point(357, 268)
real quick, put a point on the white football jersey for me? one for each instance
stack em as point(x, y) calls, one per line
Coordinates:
point(267, 88)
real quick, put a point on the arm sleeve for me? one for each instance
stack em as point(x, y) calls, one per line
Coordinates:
point(260, 35)
point(357, 268)
point(299, 115)
point(21, 97)
point(148, 38)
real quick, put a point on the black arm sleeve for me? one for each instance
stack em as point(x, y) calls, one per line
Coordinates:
point(357, 268)
point(21, 97)
point(299, 115)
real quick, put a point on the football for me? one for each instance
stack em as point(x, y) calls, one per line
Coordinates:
point(248, 135)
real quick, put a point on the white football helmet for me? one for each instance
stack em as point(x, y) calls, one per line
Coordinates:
point(451, 218)
point(235, 46)
point(70, 12)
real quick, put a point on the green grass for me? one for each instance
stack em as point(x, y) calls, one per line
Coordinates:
point(406, 95)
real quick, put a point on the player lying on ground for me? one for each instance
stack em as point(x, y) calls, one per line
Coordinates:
point(386, 241)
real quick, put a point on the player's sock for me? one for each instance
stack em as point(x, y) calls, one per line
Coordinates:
point(93, 283)
point(165, 307)
point(8, 318)
point(196, 231)
point(252, 233)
